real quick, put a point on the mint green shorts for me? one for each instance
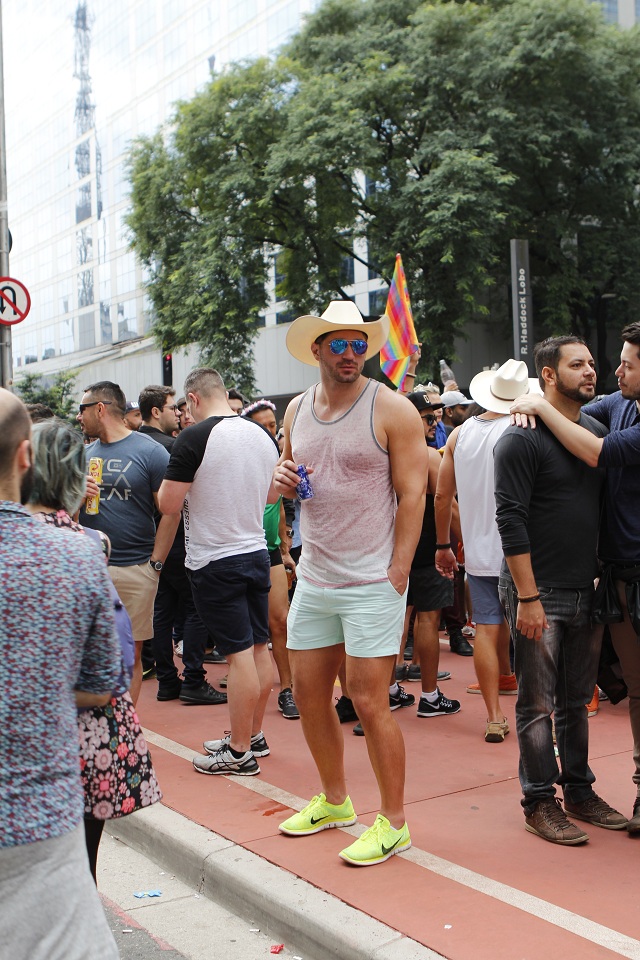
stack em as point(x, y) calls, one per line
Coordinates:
point(367, 619)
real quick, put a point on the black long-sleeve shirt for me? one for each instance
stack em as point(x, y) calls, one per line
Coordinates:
point(548, 504)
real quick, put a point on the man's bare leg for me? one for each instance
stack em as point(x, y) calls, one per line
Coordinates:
point(426, 645)
point(314, 673)
point(243, 694)
point(278, 610)
point(489, 638)
point(368, 679)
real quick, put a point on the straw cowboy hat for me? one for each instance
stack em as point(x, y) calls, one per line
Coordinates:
point(339, 315)
point(496, 390)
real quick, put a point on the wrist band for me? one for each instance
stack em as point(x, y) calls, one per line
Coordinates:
point(410, 375)
point(443, 546)
point(529, 599)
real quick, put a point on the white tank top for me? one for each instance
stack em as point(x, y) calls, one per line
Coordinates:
point(473, 459)
point(348, 527)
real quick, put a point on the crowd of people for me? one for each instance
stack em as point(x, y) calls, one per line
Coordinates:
point(507, 517)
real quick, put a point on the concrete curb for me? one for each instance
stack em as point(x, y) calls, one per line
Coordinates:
point(319, 923)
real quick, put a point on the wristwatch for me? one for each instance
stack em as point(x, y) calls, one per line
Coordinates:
point(156, 564)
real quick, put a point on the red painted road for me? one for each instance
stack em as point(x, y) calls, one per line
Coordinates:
point(475, 884)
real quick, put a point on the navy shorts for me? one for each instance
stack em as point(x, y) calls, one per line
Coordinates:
point(232, 598)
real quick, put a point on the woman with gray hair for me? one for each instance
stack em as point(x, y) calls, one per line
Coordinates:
point(115, 765)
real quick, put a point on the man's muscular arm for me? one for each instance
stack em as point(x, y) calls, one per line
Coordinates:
point(408, 459)
point(285, 479)
point(578, 441)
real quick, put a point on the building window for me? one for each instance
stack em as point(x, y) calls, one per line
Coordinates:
point(86, 331)
point(378, 302)
point(127, 325)
point(85, 288)
point(106, 329)
point(83, 203)
point(285, 315)
point(67, 336)
point(610, 8)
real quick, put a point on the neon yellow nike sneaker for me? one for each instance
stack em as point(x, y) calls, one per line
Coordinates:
point(377, 844)
point(319, 815)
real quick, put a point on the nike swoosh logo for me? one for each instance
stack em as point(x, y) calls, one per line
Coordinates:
point(387, 850)
point(326, 817)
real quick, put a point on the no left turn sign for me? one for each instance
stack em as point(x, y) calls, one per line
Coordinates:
point(15, 301)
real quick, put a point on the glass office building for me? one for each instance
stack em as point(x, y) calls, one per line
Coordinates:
point(82, 78)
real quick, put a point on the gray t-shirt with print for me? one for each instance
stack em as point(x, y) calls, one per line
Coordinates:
point(132, 472)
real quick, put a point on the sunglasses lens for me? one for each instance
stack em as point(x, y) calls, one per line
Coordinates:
point(339, 346)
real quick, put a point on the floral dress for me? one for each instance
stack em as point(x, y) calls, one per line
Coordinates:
point(115, 764)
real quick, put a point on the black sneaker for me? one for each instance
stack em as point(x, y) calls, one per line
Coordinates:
point(212, 656)
point(224, 762)
point(401, 699)
point(149, 673)
point(359, 732)
point(171, 691)
point(459, 644)
point(401, 672)
point(441, 708)
point(287, 705)
point(204, 695)
point(444, 675)
point(413, 672)
point(345, 710)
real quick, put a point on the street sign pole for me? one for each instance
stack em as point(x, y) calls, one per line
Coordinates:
point(522, 302)
point(6, 360)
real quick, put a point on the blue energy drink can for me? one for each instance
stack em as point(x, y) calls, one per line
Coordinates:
point(304, 488)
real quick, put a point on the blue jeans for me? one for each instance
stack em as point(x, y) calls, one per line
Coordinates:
point(556, 674)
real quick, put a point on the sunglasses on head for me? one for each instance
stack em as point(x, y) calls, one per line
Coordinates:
point(339, 346)
point(94, 403)
point(429, 417)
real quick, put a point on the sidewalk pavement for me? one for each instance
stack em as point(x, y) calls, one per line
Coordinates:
point(475, 884)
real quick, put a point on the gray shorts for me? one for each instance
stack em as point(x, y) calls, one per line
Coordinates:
point(50, 906)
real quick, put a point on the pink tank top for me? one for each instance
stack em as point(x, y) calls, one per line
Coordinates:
point(347, 528)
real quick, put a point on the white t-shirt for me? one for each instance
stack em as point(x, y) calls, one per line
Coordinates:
point(229, 463)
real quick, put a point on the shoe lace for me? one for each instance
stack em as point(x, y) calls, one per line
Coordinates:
point(374, 832)
point(555, 815)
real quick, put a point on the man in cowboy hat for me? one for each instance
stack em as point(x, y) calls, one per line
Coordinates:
point(467, 470)
point(363, 445)
point(548, 508)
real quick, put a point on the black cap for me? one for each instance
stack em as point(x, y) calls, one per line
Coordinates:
point(420, 402)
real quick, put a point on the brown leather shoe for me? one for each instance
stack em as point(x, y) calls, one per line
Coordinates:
point(548, 821)
point(598, 812)
point(633, 825)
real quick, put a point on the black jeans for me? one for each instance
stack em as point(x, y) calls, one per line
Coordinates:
point(174, 598)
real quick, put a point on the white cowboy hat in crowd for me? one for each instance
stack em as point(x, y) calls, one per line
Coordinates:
point(496, 390)
point(339, 315)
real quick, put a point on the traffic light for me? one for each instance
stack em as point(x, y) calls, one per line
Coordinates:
point(167, 370)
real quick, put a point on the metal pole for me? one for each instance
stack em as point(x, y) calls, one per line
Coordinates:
point(6, 361)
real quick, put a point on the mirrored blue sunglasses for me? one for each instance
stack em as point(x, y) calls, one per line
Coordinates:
point(339, 346)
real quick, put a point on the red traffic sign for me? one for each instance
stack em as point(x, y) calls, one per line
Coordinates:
point(15, 301)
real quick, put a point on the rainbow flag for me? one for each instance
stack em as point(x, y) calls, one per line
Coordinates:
point(402, 342)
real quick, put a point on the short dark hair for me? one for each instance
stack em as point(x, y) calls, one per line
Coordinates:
point(153, 396)
point(631, 334)
point(547, 353)
point(39, 411)
point(234, 394)
point(107, 390)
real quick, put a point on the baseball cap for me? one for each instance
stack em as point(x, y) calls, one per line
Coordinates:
point(453, 398)
point(130, 405)
point(420, 402)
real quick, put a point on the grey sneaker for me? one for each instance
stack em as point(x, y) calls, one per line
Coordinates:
point(259, 746)
point(549, 821)
point(287, 705)
point(224, 762)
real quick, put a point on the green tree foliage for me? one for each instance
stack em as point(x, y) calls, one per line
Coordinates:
point(437, 129)
point(59, 395)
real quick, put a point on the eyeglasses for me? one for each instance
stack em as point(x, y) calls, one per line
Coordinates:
point(339, 346)
point(429, 417)
point(94, 403)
